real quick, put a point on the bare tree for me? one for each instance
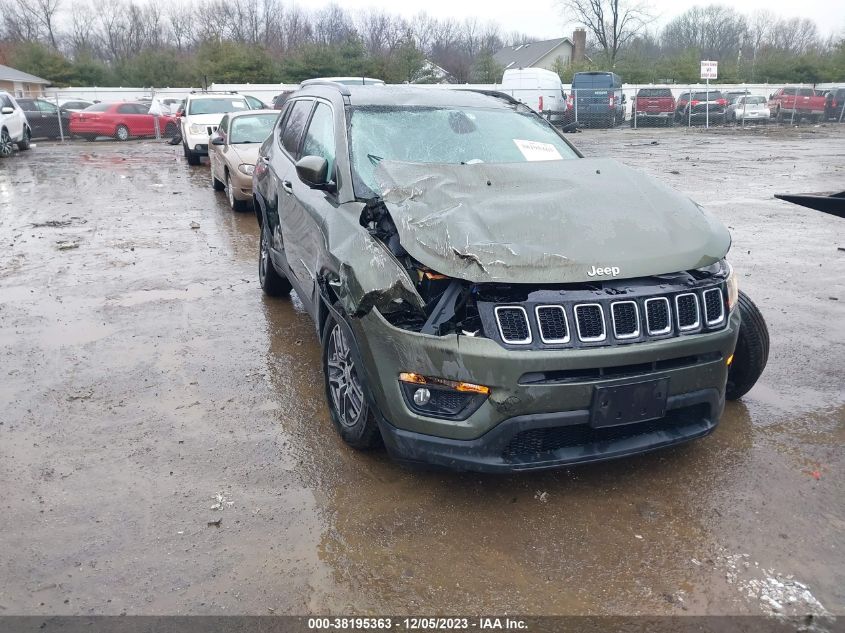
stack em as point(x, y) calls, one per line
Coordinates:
point(716, 31)
point(612, 23)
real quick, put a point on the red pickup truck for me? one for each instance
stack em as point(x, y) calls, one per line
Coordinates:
point(655, 104)
point(793, 103)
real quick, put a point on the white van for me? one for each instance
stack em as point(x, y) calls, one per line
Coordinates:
point(538, 88)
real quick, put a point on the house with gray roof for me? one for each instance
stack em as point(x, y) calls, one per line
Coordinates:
point(21, 84)
point(543, 54)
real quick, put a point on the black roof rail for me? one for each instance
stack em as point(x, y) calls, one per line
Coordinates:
point(342, 88)
point(214, 92)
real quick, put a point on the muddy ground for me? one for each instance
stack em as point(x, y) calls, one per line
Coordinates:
point(142, 373)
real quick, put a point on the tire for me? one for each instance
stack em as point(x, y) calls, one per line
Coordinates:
point(345, 390)
point(215, 183)
point(170, 131)
point(5, 143)
point(23, 144)
point(272, 283)
point(192, 158)
point(121, 133)
point(752, 350)
point(234, 203)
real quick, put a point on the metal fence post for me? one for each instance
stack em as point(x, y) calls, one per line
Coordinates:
point(634, 106)
point(59, 117)
point(842, 111)
point(689, 108)
point(794, 107)
point(575, 97)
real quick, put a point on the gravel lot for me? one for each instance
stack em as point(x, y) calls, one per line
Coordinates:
point(148, 390)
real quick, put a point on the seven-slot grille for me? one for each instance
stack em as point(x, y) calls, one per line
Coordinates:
point(590, 320)
point(554, 326)
point(609, 321)
point(626, 319)
point(658, 320)
point(513, 325)
point(714, 306)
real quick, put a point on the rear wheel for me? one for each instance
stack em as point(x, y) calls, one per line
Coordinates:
point(121, 133)
point(272, 283)
point(752, 350)
point(348, 406)
point(215, 183)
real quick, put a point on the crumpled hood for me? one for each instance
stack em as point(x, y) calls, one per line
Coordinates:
point(546, 222)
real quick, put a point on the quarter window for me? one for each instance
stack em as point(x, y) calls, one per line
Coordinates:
point(295, 124)
point(319, 140)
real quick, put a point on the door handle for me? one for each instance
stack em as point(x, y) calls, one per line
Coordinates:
point(287, 186)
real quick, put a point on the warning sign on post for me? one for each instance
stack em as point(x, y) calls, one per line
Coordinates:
point(709, 70)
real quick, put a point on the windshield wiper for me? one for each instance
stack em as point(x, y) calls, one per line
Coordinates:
point(240, 142)
point(375, 160)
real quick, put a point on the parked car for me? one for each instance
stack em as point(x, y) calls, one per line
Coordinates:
point(279, 99)
point(74, 105)
point(705, 105)
point(792, 103)
point(346, 81)
point(732, 95)
point(202, 114)
point(748, 108)
point(14, 128)
point(233, 153)
point(539, 89)
point(654, 104)
point(255, 103)
point(122, 121)
point(681, 105)
point(488, 299)
point(45, 119)
point(834, 105)
point(596, 98)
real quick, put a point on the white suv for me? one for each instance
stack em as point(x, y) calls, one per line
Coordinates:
point(203, 112)
point(14, 128)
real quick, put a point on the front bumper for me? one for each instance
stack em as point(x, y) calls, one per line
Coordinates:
point(695, 393)
point(197, 143)
point(542, 441)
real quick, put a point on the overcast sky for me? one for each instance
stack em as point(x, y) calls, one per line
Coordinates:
point(542, 18)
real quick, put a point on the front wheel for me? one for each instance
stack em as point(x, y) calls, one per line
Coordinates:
point(216, 184)
point(348, 406)
point(5, 144)
point(272, 283)
point(234, 203)
point(23, 144)
point(752, 350)
point(192, 157)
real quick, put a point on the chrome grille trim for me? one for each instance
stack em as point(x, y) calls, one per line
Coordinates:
point(590, 339)
point(721, 317)
point(636, 332)
point(665, 330)
point(525, 341)
point(553, 341)
point(697, 324)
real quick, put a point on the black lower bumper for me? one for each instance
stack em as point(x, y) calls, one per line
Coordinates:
point(553, 440)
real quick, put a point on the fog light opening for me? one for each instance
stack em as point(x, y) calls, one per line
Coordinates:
point(422, 396)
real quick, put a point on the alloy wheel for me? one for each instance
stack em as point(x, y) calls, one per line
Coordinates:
point(344, 385)
point(264, 254)
point(5, 144)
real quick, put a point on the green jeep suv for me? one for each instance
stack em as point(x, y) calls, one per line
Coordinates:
point(488, 299)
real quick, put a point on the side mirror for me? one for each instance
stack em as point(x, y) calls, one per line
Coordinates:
point(313, 171)
point(218, 140)
point(7, 110)
point(624, 98)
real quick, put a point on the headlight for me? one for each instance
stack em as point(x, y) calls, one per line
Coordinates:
point(198, 129)
point(732, 286)
point(246, 168)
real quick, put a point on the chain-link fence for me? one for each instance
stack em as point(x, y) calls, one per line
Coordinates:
point(696, 106)
point(62, 116)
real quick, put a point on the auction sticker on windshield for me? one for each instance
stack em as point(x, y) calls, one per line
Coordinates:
point(532, 150)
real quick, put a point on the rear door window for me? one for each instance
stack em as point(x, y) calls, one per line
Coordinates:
point(295, 124)
point(319, 140)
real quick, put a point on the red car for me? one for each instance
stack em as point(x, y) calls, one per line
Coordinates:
point(119, 120)
point(654, 104)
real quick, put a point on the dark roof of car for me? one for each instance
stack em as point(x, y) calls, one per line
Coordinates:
point(396, 95)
